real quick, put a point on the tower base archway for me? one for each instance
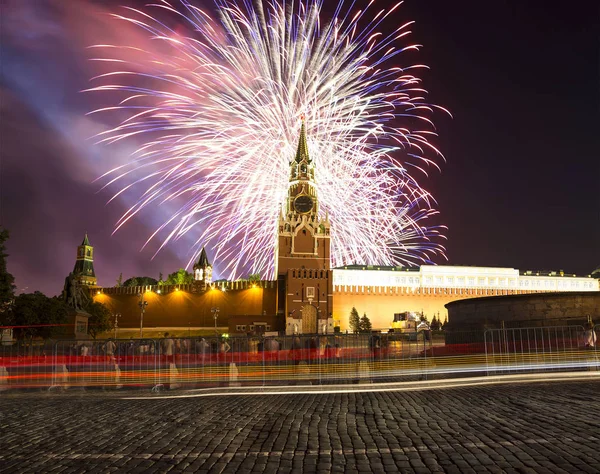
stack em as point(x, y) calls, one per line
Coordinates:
point(309, 319)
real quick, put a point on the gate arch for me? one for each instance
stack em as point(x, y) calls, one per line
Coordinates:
point(309, 319)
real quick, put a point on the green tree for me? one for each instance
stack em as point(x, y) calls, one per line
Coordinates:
point(100, 320)
point(254, 277)
point(140, 281)
point(435, 324)
point(364, 324)
point(38, 316)
point(120, 280)
point(147, 281)
point(180, 277)
point(354, 321)
point(7, 281)
point(160, 279)
point(445, 325)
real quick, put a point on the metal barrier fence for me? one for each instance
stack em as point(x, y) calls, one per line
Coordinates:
point(540, 349)
point(197, 362)
point(26, 363)
point(105, 363)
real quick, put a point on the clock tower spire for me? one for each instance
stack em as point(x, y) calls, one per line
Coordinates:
point(302, 259)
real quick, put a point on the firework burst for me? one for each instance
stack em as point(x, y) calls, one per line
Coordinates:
point(216, 107)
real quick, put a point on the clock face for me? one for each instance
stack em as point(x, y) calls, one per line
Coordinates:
point(303, 204)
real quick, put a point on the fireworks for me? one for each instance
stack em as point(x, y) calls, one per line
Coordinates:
point(216, 107)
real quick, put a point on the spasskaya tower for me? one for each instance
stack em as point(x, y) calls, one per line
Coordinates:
point(305, 290)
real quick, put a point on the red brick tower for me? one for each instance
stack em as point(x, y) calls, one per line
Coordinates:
point(302, 259)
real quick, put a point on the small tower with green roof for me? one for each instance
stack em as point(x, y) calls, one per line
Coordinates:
point(203, 269)
point(84, 265)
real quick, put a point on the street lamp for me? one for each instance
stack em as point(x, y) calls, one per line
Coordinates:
point(117, 316)
point(215, 312)
point(142, 304)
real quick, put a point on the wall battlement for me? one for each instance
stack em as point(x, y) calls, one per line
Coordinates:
point(196, 287)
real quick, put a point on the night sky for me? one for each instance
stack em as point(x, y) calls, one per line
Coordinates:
point(520, 188)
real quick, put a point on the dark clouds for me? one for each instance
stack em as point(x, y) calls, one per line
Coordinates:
point(520, 187)
point(47, 208)
point(49, 161)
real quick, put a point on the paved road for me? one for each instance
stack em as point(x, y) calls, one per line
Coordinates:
point(537, 427)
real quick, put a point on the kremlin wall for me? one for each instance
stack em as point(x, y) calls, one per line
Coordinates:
point(380, 292)
point(240, 303)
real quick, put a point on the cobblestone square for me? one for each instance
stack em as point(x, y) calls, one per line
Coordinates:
point(514, 428)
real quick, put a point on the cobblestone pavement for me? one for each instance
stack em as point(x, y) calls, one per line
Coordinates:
point(521, 428)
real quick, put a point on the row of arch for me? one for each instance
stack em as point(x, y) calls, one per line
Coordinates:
point(304, 273)
point(394, 291)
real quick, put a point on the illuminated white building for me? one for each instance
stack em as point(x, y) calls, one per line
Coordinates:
point(447, 276)
point(382, 291)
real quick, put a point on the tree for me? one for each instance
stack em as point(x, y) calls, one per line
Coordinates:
point(120, 280)
point(160, 279)
point(38, 316)
point(133, 281)
point(180, 277)
point(254, 277)
point(354, 320)
point(140, 281)
point(435, 324)
point(100, 320)
point(445, 325)
point(364, 324)
point(7, 281)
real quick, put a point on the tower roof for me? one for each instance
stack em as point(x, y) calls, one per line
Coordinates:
point(302, 151)
point(203, 260)
point(86, 241)
point(84, 267)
